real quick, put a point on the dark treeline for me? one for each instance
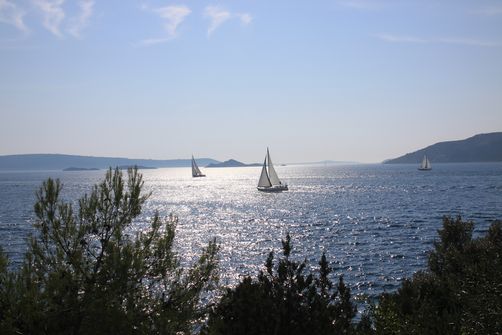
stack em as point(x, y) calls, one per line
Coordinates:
point(84, 273)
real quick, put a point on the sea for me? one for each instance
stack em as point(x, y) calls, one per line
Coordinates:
point(376, 223)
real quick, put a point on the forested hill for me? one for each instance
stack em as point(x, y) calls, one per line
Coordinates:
point(59, 162)
point(479, 148)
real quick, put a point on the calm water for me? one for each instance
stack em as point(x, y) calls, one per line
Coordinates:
point(375, 222)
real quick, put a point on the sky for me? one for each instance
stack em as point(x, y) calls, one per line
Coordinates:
point(347, 80)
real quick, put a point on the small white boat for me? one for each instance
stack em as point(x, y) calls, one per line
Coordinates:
point(426, 164)
point(269, 181)
point(195, 170)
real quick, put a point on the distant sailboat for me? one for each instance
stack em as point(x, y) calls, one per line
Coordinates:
point(426, 164)
point(195, 170)
point(269, 181)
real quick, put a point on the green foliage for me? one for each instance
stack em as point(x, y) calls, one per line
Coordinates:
point(6, 299)
point(285, 299)
point(461, 293)
point(86, 273)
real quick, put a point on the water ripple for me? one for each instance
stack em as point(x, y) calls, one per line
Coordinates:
point(376, 223)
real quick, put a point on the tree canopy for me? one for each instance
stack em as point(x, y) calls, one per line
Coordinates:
point(86, 273)
point(460, 292)
point(285, 299)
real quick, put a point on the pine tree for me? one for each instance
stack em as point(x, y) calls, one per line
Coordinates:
point(85, 272)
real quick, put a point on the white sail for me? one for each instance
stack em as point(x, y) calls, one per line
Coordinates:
point(274, 179)
point(264, 180)
point(195, 169)
point(426, 164)
point(269, 181)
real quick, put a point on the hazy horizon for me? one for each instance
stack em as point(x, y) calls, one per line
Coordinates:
point(327, 160)
point(347, 80)
point(257, 161)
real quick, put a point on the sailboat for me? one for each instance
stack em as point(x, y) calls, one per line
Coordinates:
point(426, 164)
point(269, 181)
point(195, 170)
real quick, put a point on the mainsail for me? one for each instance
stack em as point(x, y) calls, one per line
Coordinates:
point(274, 179)
point(426, 164)
point(264, 179)
point(195, 169)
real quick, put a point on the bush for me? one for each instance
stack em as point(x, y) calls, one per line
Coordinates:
point(285, 299)
point(85, 273)
point(460, 293)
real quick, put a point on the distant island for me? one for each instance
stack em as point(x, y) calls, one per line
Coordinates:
point(478, 148)
point(60, 162)
point(139, 167)
point(231, 163)
point(327, 162)
point(72, 168)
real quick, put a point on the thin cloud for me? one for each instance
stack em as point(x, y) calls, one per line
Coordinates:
point(245, 18)
point(440, 40)
point(218, 16)
point(80, 22)
point(13, 15)
point(173, 17)
point(400, 39)
point(53, 14)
